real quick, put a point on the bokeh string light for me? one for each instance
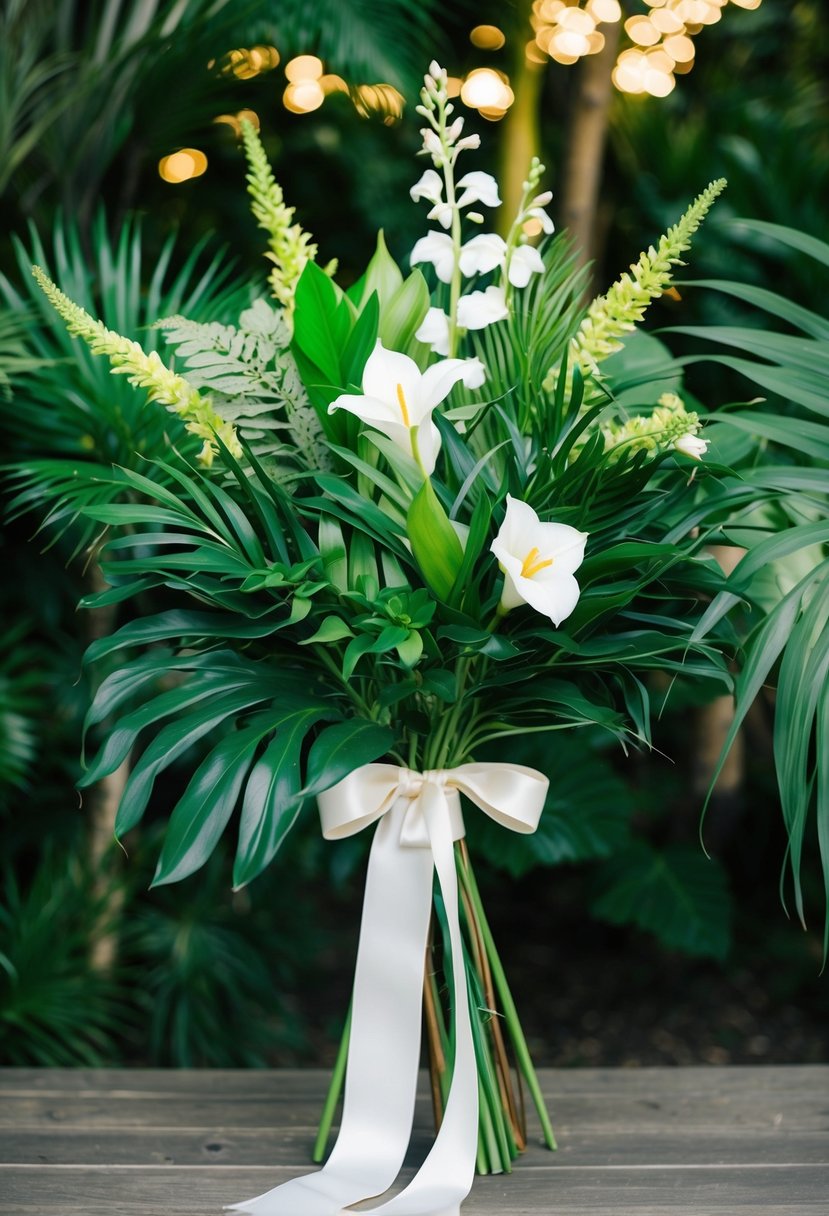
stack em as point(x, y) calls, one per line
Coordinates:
point(658, 43)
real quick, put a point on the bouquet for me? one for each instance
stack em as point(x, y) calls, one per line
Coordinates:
point(401, 526)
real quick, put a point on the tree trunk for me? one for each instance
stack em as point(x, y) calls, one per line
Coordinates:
point(586, 144)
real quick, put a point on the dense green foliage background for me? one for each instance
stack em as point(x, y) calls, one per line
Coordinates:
point(92, 967)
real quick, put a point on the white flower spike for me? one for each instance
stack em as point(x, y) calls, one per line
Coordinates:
point(437, 248)
point(524, 262)
point(399, 401)
point(479, 187)
point(482, 254)
point(428, 186)
point(539, 561)
point(482, 308)
point(434, 331)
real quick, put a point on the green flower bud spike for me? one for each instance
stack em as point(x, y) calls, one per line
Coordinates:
point(145, 371)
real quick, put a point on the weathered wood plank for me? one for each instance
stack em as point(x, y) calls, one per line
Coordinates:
point(234, 1146)
point(587, 1191)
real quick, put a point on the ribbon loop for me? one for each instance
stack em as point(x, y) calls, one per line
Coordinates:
point(418, 817)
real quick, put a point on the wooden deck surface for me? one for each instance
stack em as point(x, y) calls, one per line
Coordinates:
point(643, 1142)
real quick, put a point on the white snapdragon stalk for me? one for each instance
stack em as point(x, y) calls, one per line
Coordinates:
point(398, 400)
point(481, 308)
point(539, 561)
point(521, 260)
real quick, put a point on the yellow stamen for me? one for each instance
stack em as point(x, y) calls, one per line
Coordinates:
point(403, 410)
point(531, 565)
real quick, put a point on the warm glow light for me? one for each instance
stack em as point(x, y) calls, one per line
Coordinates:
point(182, 165)
point(596, 41)
point(576, 20)
point(550, 9)
point(304, 67)
point(534, 53)
point(680, 47)
point(642, 31)
point(333, 84)
point(658, 84)
point(532, 227)
point(604, 10)
point(747, 3)
point(567, 42)
point(483, 88)
point(487, 37)
point(303, 96)
point(249, 116)
point(379, 98)
point(453, 86)
point(660, 61)
point(666, 21)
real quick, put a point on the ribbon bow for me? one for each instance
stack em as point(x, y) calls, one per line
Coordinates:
point(419, 818)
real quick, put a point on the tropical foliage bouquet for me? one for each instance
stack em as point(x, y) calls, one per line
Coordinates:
point(401, 527)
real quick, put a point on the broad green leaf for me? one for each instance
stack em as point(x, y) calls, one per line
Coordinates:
point(201, 814)
point(270, 806)
point(402, 316)
point(321, 329)
point(342, 748)
point(382, 276)
point(435, 544)
point(332, 629)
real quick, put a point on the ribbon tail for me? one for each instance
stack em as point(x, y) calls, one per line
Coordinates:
point(384, 1046)
point(445, 1178)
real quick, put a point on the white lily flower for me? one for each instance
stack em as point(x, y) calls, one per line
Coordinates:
point(399, 400)
point(468, 141)
point(437, 248)
point(482, 254)
point(428, 186)
point(482, 308)
point(478, 187)
point(691, 445)
point(539, 561)
point(434, 331)
point(525, 262)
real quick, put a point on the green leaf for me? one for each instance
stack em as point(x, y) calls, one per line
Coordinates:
point(342, 748)
point(435, 544)
point(361, 343)
point(270, 807)
point(201, 814)
point(403, 314)
point(332, 629)
point(321, 328)
point(679, 895)
point(382, 276)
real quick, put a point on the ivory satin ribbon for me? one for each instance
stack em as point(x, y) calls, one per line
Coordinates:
point(419, 818)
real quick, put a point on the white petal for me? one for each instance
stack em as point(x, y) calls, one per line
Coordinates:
point(437, 248)
point(428, 445)
point(440, 379)
point(474, 374)
point(434, 331)
point(384, 371)
point(369, 409)
point(482, 308)
point(442, 212)
point(518, 529)
point(429, 186)
point(555, 599)
point(538, 213)
point(482, 254)
point(565, 545)
point(525, 261)
point(691, 445)
point(479, 187)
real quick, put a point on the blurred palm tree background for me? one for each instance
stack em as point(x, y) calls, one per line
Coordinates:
point(122, 174)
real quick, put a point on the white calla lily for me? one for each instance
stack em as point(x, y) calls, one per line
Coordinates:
point(539, 561)
point(482, 254)
point(524, 262)
point(439, 249)
point(434, 331)
point(482, 308)
point(398, 400)
point(479, 187)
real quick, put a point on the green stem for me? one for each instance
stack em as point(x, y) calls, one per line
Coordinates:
point(333, 1095)
point(510, 1012)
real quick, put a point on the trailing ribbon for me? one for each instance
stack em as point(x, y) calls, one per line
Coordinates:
point(419, 819)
